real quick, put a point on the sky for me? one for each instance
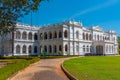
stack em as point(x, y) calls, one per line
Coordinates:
point(103, 13)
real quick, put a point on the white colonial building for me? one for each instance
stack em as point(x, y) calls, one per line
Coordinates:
point(66, 38)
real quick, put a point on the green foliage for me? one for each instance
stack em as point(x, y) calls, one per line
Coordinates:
point(12, 10)
point(60, 52)
point(11, 69)
point(94, 68)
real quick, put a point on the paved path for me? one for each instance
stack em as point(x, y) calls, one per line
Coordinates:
point(45, 69)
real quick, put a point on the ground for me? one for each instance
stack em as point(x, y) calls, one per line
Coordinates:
point(45, 69)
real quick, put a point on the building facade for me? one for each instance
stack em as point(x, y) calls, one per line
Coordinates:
point(66, 38)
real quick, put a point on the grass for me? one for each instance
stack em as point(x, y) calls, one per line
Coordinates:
point(17, 65)
point(94, 68)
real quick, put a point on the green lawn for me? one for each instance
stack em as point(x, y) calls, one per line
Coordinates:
point(14, 65)
point(94, 68)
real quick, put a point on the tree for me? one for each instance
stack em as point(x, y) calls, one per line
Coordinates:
point(11, 11)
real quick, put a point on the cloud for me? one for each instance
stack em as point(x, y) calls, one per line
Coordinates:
point(103, 5)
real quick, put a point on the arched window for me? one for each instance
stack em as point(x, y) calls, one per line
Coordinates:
point(24, 35)
point(86, 36)
point(97, 37)
point(18, 49)
point(106, 48)
point(77, 48)
point(83, 36)
point(90, 37)
point(60, 48)
point(35, 49)
point(77, 34)
point(35, 36)
point(50, 49)
point(18, 35)
point(84, 48)
point(45, 48)
point(66, 48)
point(30, 49)
point(30, 36)
point(55, 48)
point(41, 36)
point(55, 34)
point(87, 48)
point(45, 35)
point(50, 35)
point(24, 49)
point(60, 34)
point(65, 34)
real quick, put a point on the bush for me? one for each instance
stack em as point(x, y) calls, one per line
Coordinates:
point(10, 69)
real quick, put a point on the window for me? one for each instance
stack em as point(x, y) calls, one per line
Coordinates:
point(60, 48)
point(77, 48)
point(97, 37)
point(86, 36)
point(55, 34)
point(55, 49)
point(50, 49)
point(30, 49)
point(50, 35)
point(45, 48)
point(35, 49)
point(30, 36)
point(60, 34)
point(83, 48)
point(65, 34)
point(18, 35)
point(77, 34)
point(66, 48)
point(24, 35)
point(90, 37)
point(35, 36)
point(45, 35)
point(87, 48)
point(24, 49)
point(83, 36)
point(18, 49)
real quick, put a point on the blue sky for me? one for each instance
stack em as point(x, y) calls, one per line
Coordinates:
point(105, 13)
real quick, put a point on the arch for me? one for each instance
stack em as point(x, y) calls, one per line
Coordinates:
point(30, 49)
point(99, 50)
point(55, 34)
point(77, 48)
point(50, 49)
point(18, 35)
point(87, 48)
point(60, 34)
point(41, 36)
point(45, 48)
point(35, 36)
point(66, 47)
point(83, 36)
point(97, 37)
point(24, 35)
point(50, 35)
point(35, 49)
point(55, 49)
point(30, 36)
point(84, 48)
point(60, 48)
point(45, 35)
point(90, 37)
point(24, 49)
point(77, 34)
point(86, 36)
point(18, 49)
point(65, 34)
